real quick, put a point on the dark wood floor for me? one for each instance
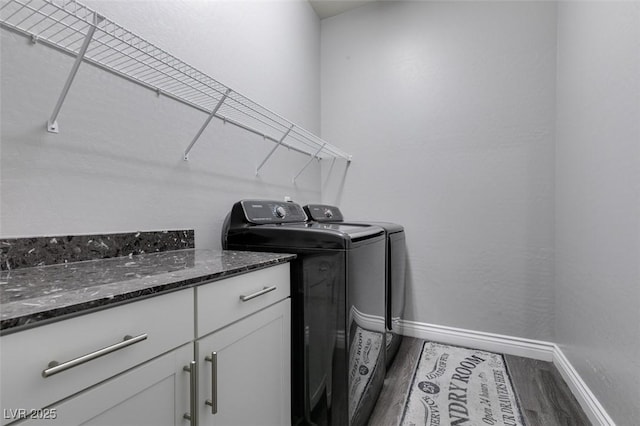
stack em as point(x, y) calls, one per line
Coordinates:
point(543, 396)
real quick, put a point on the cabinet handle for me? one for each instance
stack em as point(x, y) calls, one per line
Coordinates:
point(258, 293)
point(213, 402)
point(192, 415)
point(55, 367)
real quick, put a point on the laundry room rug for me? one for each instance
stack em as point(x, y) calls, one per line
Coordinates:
point(364, 356)
point(460, 387)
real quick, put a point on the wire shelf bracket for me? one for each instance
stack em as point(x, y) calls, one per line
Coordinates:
point(52, 124)
point(72, 28)
point(308, 162)
point(206, 123)
point(274, 149)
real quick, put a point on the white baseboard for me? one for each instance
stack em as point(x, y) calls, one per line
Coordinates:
point(536, 349)
point(587, 400)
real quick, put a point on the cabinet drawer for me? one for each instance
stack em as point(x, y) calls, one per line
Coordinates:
point(154, 393)
point(166, 321)
point(220, 303)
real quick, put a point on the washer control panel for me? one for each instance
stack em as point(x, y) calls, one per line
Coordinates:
point(269, 211)
point(323, 213)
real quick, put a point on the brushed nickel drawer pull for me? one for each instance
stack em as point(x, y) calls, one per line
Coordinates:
point(56, 367)
point(258, 293)
point(213, 402)
point(192, 415)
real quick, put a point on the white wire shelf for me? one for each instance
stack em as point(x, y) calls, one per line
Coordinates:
point(76, 29)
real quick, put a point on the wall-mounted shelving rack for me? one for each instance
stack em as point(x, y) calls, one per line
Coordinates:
point(83, 33)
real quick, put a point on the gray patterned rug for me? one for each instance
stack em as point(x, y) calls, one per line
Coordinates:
point(460, 387)
point(364, 355)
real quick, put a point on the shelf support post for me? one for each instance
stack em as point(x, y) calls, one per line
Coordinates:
point(52, 124)
point(274, 148)
point(206, 123)
point(309, 162)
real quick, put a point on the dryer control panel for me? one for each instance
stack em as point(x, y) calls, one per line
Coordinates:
point(269, 211)
point(323, 213)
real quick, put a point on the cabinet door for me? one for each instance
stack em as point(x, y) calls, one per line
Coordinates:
point(249, 381)
point(156, 393)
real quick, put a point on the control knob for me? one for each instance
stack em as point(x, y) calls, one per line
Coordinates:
point(280, 212)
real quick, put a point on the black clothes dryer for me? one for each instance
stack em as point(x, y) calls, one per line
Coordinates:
point(338, 332)
point(395, 267)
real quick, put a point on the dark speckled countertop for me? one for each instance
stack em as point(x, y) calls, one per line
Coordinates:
point(42, 294)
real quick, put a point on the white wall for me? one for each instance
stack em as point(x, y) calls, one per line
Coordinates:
point(116, 164)
point(598, 200)
point(449, 111)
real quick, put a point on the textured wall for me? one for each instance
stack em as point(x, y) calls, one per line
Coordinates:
point(598, 200)
point(116, 165)
point(449, 110)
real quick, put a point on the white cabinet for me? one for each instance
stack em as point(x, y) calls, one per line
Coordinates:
point(244, 349)
point(245, 371)
point(222, 302)
point(126, 365)
point(159, 324)
point(157, 393)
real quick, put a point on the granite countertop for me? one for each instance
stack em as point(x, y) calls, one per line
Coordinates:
point(29, 296)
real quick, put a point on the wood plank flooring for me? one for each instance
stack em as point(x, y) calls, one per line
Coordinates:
point(543, 396)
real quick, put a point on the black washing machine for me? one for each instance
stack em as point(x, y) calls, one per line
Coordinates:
point(338, 332)
point(395, 268)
